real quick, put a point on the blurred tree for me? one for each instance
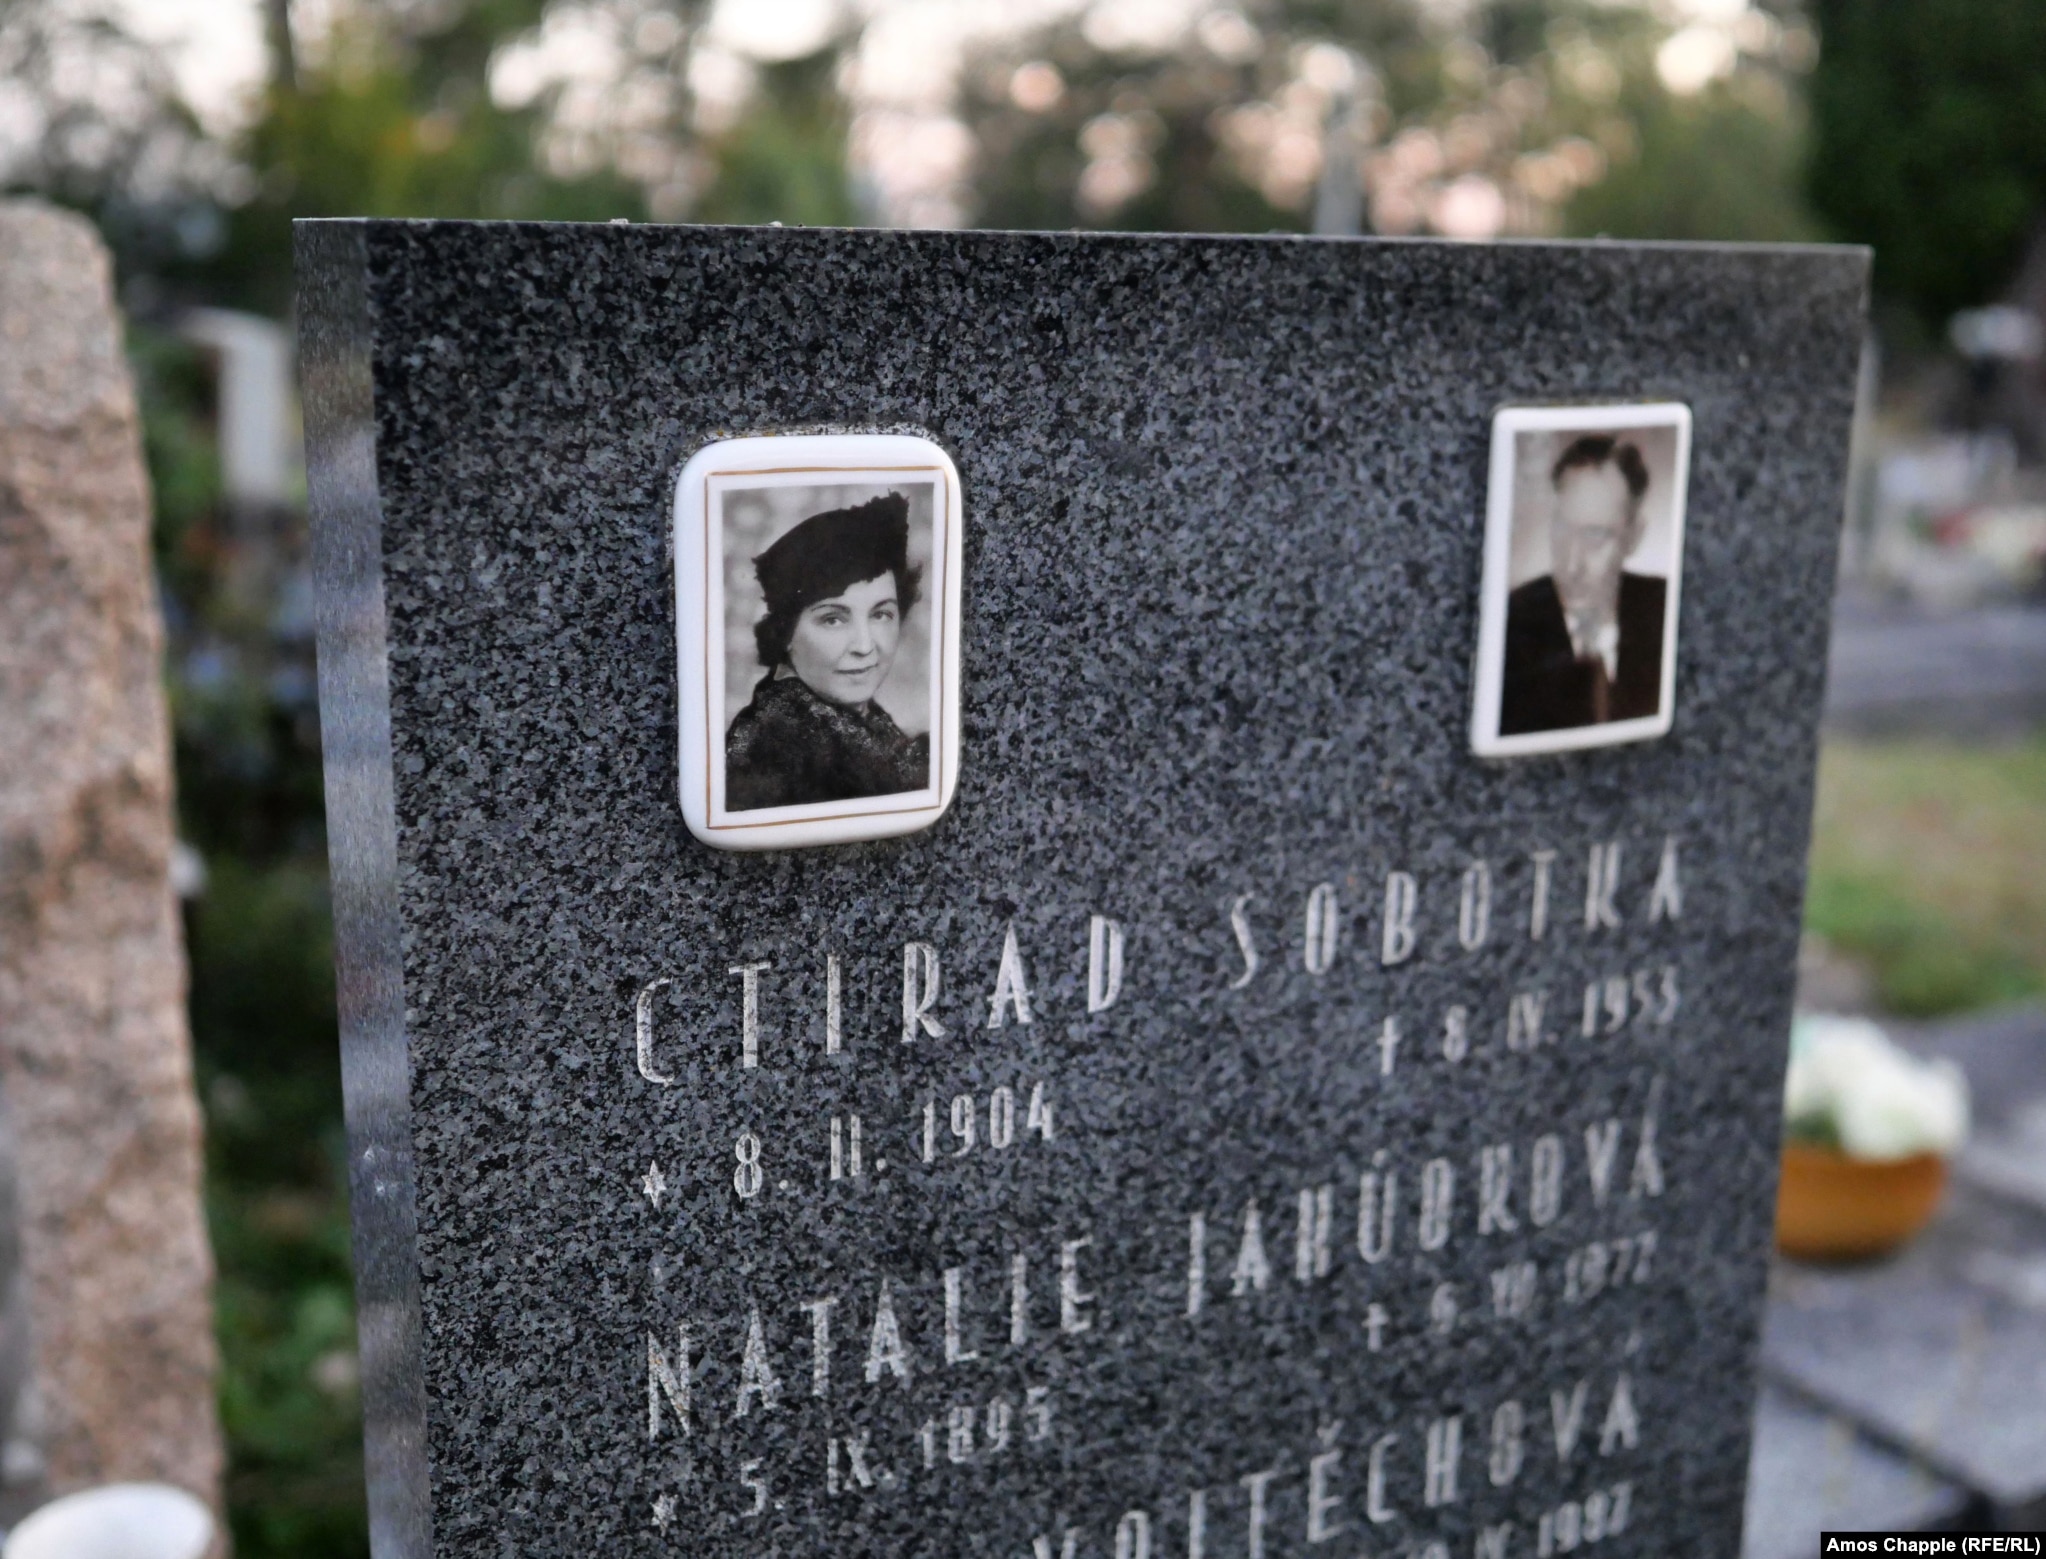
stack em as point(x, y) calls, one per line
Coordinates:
point(1219, 130)
point(1517, 116)
point(1929, 141)
point(784, 160)
point(96, 122)
point(1722, 162)
point(393, 115)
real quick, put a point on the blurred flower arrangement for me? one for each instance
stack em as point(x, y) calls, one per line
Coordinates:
point(1852, 1089)
point(1868, 1129)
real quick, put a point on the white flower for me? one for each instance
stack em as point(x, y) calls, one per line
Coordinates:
point(1880, 1102)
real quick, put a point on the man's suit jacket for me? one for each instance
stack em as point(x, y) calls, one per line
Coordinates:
point(1547, 688)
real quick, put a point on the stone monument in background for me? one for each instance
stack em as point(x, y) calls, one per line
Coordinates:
point(117, 1359)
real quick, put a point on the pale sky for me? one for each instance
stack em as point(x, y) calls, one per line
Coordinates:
point(216, 46)
point(905, 141)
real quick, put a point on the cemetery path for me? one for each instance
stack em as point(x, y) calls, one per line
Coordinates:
point(1904, 1393)
point(1897, 669)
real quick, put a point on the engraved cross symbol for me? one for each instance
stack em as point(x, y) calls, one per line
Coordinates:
point(664, 1512)
point(654, 1184)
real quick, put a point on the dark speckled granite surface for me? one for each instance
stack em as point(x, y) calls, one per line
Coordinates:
point(1224, 510)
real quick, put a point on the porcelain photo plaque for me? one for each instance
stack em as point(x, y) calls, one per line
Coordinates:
point(1584, 545)
point(817, 616)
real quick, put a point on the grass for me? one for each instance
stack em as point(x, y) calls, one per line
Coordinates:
point(269, 1072)
point(1929, 866)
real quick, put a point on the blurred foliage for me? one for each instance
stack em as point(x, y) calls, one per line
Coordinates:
point(1528, 117)
point(269, 1071)
point(786, 155)
point(1929, 866)
point(1929, 142)
point(397, 122)
point(94, 121)
point(1200, 134)
point(1725, 164)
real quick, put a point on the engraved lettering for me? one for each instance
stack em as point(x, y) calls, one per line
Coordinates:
point(1601, 1148)
point(1622, 1429)
point(1375, 1318)
point(1647, 1177)
point(1524, 1020)
point(1318, 951)
point(1666, 898)
point(1438, 1195)
point(1321, 1504)
point(1538, 904)
point(749, 1011)
point(834, 1006)
point(757, 1379)
point(667, 1380)
point(1396, 941)
point(1133, 1536)
point(1601, 878)
point(1072, 1299)
point(1445, 1450)
point(1104, 963)
point(819, 1311)
point(956, 1351)
point(643, 1034)
point(919, 992)
point(1011, 986)
point(1495, 1185)
point(1456, 1034)
point(1239, 923)
point(1252, 1270)
point(1474, 910)
point(1566, 1418)
point(1509, 1443)
point(1019, 1301)
point(885, 1351)
point(1256, 1484)
point(1375, 1211)
point(1376, 1510)
point(1545, 1182)
point(1312, 1235)
point(751, 1481)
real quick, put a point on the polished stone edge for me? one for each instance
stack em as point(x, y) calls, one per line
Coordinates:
point(335, 335)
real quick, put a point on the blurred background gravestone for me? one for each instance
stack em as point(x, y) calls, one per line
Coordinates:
point(112, 1378)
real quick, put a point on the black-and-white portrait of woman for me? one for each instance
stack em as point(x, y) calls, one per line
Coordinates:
point(836, 589)
point(817, 623)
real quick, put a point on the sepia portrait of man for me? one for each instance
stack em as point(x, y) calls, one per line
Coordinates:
point(1584, 641)
point(1580, 583)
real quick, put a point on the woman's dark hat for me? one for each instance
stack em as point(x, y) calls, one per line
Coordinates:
point(826, 554)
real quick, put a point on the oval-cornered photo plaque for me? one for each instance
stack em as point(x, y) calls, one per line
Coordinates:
point(817, 638)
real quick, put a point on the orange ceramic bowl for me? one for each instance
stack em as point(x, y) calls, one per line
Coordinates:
point(1830, 1207)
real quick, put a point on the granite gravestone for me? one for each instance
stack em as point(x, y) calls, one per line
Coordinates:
point(1246, 1124)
